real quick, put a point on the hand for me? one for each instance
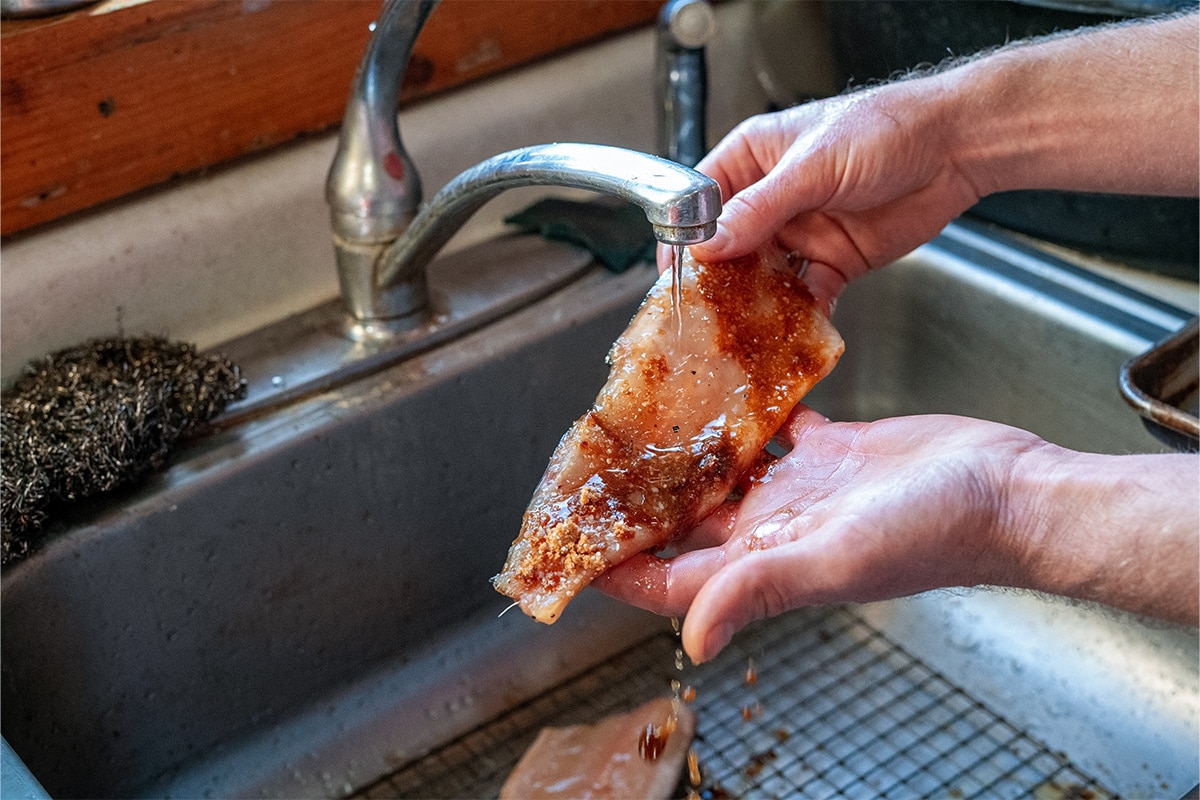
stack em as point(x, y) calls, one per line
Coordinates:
point(855, 512)
point(853, 182)
point(860, 512)
point(850, 183)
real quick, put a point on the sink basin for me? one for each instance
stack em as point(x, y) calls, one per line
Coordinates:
point(299, 606)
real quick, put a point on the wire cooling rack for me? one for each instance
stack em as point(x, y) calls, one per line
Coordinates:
point(814, 704)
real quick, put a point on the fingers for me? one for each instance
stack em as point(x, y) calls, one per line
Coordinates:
point(728, 602)
point(733, 163)
point(756, 586)
point(800, 422)
point(754, 204)
point(640, 581)
point(663, 586)
point(712, 531)
point(668, 586)
point(717, 597)
point(749, 218)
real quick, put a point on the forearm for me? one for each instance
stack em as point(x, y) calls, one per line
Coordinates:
point(1114, 110)
point(1119, 530)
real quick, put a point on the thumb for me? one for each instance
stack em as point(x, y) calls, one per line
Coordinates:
point(759, 585)
point(740, 593)
point(801, 422)
point(754, 215)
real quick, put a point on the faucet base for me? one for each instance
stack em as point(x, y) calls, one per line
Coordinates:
point(323, 347)
point(383, 331)
point(358, 266)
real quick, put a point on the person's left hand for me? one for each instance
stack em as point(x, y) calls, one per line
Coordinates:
point(855, 512)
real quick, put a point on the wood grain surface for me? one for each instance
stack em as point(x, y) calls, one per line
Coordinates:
point(94, 106)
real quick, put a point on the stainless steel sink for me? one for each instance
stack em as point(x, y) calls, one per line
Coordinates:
point(300, 605)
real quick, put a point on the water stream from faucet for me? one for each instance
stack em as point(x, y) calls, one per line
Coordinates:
point(677, 287)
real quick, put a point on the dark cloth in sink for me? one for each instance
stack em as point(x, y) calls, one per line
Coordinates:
point(616, 233)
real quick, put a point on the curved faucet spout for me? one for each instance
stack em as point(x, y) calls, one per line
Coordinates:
point(681, 204)
point(383, 244)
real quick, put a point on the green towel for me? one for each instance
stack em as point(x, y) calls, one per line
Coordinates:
point(616, 233)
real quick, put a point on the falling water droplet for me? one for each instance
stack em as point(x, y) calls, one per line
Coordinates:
point(677, 287)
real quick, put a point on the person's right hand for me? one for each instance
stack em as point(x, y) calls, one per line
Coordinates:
point(850, 183)
point(856, 181)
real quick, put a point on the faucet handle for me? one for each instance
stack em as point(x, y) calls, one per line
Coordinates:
point(373, 188)
point(690, 23)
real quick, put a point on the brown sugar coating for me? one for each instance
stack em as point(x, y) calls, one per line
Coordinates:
point(770, 340)
point(627, 490)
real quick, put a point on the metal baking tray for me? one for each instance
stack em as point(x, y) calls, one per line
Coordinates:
point(1163, 384)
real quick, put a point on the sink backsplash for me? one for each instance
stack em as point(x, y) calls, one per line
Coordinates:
point(220, 254)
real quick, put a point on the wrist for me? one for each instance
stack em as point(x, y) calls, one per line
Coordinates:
point(1038, 489)
point(989, 134)
point(974, 118)
point(1118, 530)
point(1071, 111)
point(1020, 505)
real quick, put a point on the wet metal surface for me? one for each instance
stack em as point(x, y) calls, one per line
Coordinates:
point(837, 709)
point(300, 604)
point(1163, 384)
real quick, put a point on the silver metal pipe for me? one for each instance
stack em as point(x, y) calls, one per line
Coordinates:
point(373, 188)
point(681, 204)
point(684, 28)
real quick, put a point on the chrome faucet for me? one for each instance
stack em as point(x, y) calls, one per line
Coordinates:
point(383, 244)
point(373, 188)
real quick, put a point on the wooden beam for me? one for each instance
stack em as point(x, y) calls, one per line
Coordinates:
point(95, 106)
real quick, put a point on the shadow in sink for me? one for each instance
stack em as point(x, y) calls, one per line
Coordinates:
point(301, 605)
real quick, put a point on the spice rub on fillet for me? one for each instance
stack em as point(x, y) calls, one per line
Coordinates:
point(687, 409)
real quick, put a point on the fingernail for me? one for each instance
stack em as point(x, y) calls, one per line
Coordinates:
point(718, 239)
point(717, 638)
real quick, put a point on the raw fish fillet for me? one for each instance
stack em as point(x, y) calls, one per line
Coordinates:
point(689, 405)
point(603, 760)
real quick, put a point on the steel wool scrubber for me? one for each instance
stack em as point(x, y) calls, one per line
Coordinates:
point(88, 419)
